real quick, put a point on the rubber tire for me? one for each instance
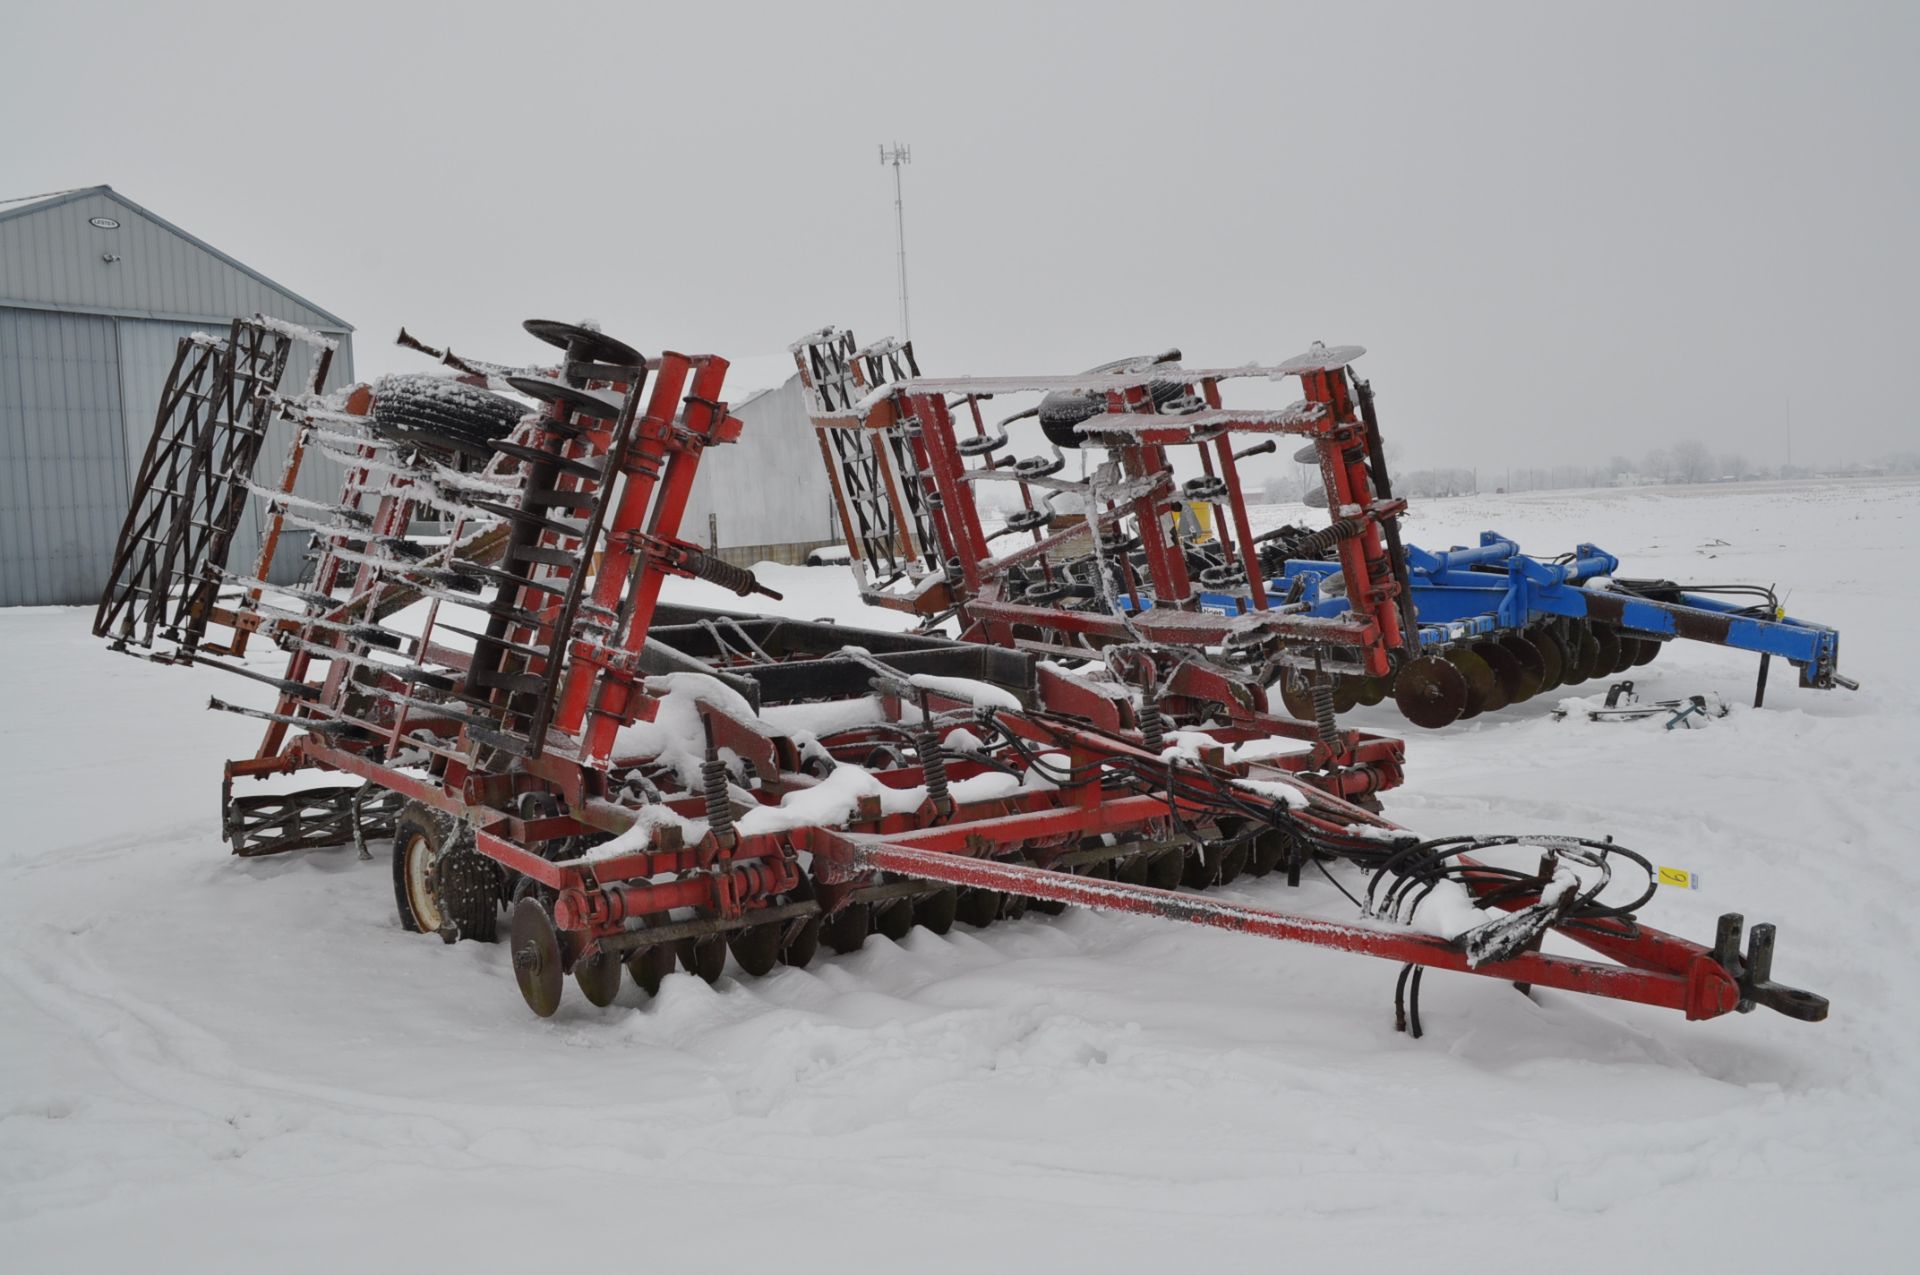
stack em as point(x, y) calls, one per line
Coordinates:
point(441, 414)
point(469, 885)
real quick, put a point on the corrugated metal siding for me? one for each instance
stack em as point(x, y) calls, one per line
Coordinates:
point(63, 460)
point(769, 488)
point(52, 256)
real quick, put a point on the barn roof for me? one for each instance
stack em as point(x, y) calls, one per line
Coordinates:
point(23, 283)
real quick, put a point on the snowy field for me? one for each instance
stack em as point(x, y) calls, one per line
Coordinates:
point(218, 1065)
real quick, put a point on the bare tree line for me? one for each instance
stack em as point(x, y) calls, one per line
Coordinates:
point(1687, 461)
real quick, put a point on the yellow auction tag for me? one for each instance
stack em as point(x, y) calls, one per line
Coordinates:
point(1680, 878)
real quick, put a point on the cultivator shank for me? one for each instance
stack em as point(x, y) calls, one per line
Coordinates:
point(480, 641)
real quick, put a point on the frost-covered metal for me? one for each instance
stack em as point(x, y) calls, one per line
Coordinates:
point(651, 787)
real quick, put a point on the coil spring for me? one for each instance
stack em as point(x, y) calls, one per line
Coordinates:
point(1321, 688)
point(1325, 538)
point(1153, 727)
point(713, 786)
point(933, 767)
point(721, 572)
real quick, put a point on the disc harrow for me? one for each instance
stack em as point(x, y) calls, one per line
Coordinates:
point(479, 659)
point(1472, 630)
point(1563, 622)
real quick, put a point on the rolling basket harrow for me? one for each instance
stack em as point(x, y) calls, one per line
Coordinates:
point(478, 658)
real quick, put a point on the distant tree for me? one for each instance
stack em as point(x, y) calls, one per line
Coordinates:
point(1658, 464)
point(1734, 465)
point(1282, 489)
point(1619, 466)
point(1692, 462)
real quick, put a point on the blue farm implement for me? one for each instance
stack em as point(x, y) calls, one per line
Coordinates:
point(1495, 626)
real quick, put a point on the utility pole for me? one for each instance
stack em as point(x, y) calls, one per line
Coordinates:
point(899, 155)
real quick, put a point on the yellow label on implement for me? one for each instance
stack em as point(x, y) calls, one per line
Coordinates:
point(1680, 878)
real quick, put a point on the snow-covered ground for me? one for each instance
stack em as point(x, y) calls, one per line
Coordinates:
point(208, 1064)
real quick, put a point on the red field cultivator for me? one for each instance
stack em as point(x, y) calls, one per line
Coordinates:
point(479, 647)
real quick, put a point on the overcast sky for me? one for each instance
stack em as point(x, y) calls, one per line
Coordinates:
point(1563, 231)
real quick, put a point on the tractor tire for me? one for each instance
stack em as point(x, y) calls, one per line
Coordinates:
point(441, 884)
point(443, 416)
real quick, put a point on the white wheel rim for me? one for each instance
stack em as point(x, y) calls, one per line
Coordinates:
point(419, 863)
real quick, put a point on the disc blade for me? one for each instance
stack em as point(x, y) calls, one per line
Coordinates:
point(935, 912)
point(801, 943)
point(1372, 691)
point(598, 977)
point(1607, 661)
point(1163, 870)
point(894, 919)
point(706, 956)
point(1583, 655)
point(578, 401)
point(1482, 680)
point(1483, 692)
point(1629, 647)
point(536, 956)
point(846, 930)
point(1506, 670)
point(1294, 694)
point(584, 343)
point(1647, 649)
point(1552, 658)
point(756, 948)
point(1533, 668)
point(1430, 692)
point(1346, 693)
point(649, 966)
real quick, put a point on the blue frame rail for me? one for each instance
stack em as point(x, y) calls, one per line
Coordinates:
point(1492, 588)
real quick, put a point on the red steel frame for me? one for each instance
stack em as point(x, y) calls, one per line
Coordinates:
point(730, 877)
point(919, 414)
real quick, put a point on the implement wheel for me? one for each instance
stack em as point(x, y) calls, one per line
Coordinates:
point(441, 884)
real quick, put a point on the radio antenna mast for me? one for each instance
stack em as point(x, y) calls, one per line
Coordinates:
point(898, 155)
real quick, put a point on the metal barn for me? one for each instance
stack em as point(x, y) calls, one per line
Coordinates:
point(766, 498)
point(95, 293)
